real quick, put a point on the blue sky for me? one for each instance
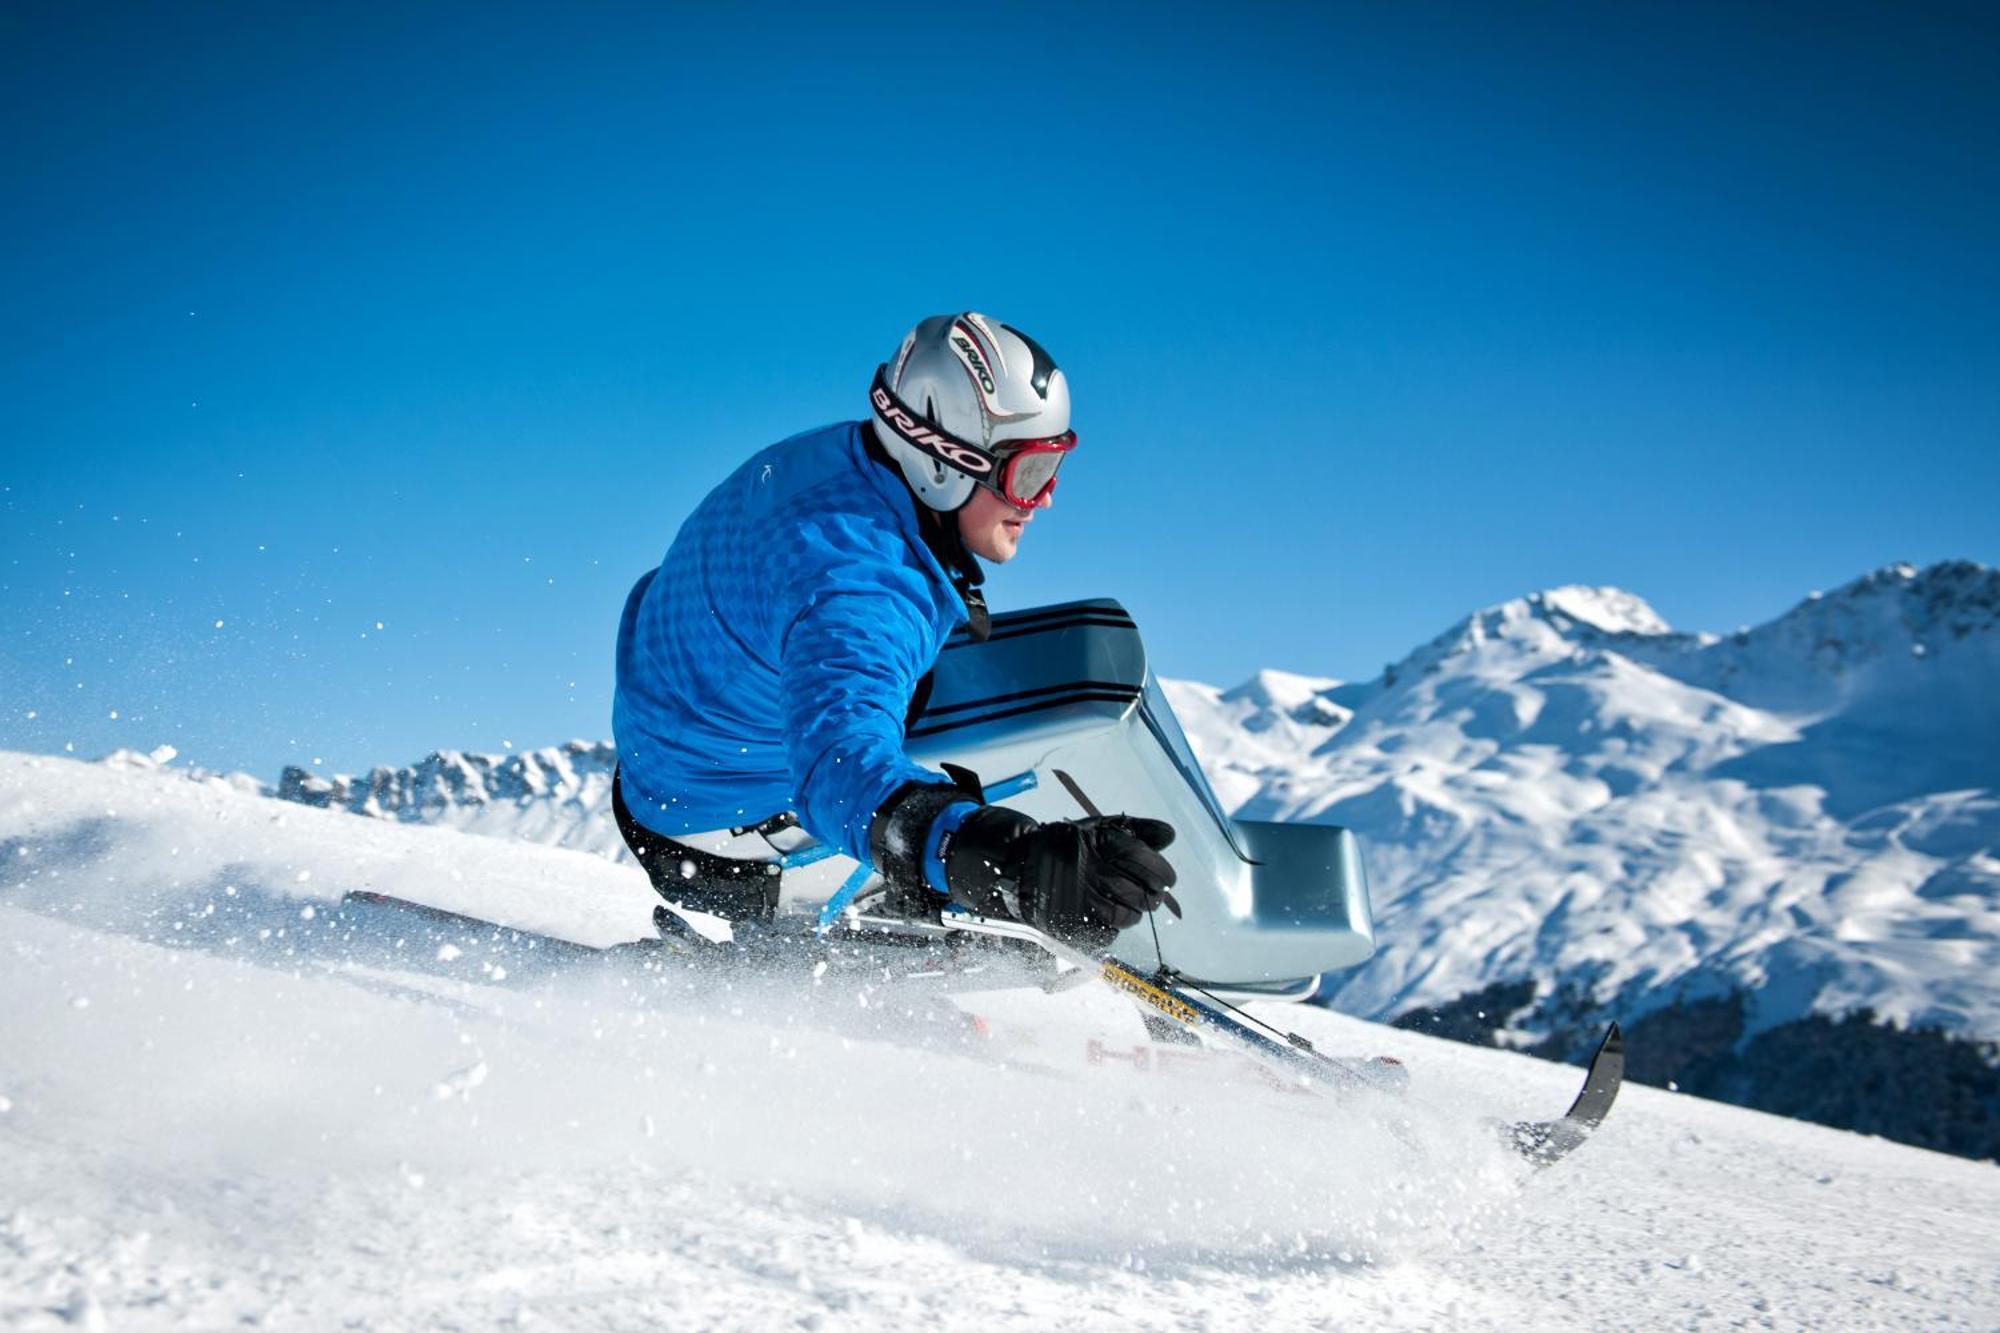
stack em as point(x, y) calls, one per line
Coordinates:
point(355, 359)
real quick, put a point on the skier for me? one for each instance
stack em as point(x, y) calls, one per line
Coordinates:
point(768, 669)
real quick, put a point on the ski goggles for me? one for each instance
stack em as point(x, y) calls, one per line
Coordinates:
point(1021, 472)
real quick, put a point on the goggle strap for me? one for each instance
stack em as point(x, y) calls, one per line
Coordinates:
point(960, 455)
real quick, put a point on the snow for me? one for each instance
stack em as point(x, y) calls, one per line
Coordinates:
point(1255, 732)
point(225, 1101)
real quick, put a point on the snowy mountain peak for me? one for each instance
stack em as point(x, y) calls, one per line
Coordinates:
point(1894, 606)
point(558, 794)
point(1301, 698)
point(1612, 610)
point(1544, 626)
point(1926, 640)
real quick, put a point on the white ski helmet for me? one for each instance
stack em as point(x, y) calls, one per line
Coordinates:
point(966, 380)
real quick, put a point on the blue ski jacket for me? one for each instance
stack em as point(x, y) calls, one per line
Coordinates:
point(769, 662)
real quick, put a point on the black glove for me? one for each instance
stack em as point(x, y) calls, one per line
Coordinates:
point(1079, 879)
point(1077, 876)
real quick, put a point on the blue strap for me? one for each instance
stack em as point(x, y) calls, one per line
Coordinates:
point(1013, 786)
point(829, 914)
point(806, 856)
point(946, 824)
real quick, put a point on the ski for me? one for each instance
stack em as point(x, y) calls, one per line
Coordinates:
point(1184, 1006)
point(457, 936)
point(1165, 997)
point(1547, 1141)
point(1177, 1009)
point(451, 927)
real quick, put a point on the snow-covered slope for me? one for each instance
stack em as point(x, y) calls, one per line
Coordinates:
point(224, 1102)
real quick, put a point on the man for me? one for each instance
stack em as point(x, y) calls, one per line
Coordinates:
point(768, 669)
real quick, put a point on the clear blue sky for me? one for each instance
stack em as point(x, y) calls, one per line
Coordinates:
point(399, 339)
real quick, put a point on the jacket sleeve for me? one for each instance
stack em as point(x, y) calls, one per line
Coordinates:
point(850, 662)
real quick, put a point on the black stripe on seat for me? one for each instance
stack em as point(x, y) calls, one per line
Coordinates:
point(1117, 695)
point(993, 699)
point(1109, 621)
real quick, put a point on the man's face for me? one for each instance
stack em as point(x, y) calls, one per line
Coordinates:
point(992, 528)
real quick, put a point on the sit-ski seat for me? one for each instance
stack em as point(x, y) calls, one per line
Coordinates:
point(1266, 906)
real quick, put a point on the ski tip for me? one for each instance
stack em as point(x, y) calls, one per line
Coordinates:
point(1545, 1142)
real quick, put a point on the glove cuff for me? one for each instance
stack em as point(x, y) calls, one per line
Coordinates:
point(899, 839)
point(943, 827)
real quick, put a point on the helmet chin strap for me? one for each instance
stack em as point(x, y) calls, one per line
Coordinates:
point(940, 532)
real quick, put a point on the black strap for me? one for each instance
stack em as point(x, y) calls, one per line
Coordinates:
point(978, 622)
point(689, 877)
point(777, 823)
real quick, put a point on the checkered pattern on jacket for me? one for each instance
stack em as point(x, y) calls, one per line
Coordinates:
point(768, 662)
